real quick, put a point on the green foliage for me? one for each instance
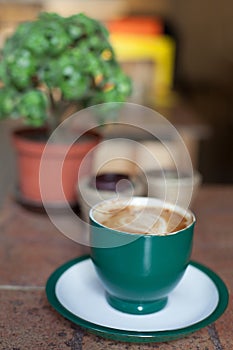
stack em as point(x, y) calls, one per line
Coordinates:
point(54, 61)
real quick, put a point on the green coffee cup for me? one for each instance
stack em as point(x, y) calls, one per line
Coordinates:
point(138, 271)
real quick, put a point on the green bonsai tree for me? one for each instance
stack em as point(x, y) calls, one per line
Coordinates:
point(54, 62)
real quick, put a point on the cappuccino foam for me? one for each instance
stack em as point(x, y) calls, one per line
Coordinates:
point(139, 219)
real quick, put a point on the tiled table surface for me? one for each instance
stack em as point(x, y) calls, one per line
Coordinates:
point(31, 248)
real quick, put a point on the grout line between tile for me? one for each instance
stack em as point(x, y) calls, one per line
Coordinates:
point(21, 288)
point(214, 337)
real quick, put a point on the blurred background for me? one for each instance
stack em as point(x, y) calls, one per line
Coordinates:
point(180, 57)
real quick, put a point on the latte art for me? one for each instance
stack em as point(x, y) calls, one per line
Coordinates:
point(141, 219)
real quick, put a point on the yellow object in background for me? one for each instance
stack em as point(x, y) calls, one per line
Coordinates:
point(148, 57)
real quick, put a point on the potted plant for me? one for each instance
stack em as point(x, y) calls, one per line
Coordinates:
point(48, 66)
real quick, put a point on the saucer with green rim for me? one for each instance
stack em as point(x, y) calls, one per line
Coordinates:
point(76, 293)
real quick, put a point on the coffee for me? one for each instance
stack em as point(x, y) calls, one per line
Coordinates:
point(138, 271)
point(138, 219)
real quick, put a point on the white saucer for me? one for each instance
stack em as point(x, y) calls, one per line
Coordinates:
point(75, 291)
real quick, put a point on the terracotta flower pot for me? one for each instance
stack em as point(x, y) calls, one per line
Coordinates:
point(59, 182)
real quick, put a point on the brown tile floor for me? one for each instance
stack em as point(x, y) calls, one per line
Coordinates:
point(31, 248)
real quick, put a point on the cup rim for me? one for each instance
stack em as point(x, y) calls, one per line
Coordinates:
point(143, 198)
point(170, 181)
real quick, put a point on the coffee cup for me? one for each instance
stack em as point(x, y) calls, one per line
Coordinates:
point(140, 248)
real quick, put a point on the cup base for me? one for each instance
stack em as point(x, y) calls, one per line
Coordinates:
point(136, 307)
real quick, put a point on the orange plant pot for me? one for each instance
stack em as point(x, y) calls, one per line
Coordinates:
point(52, 181)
